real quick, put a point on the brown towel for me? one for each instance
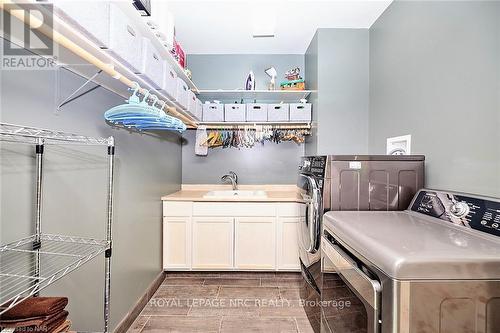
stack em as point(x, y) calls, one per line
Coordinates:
point(34, 307)
point(64, 327)
point(46, 325)
point(51, 324)
point(22, 322)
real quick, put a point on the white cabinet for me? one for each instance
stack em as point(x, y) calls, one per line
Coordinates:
point(231, 235)
point(255, 243)
point(177, 242)
point(287, 243)
point(212, 242)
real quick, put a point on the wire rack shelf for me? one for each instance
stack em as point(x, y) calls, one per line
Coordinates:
point(58, 255)
point(30, 264)
point(32, 135)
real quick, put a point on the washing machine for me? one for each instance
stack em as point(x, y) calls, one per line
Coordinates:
point(347, 182)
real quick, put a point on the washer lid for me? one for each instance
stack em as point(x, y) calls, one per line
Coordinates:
point(408, 245)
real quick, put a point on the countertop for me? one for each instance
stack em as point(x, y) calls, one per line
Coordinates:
point(275, 193)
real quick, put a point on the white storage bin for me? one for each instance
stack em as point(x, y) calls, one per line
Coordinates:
point(199, 109)
point(191, 108)
point(278, 112)
point(125, 41)
point(181, 95)
point(169, 81)
point(213, 112)
point(300, 112)
point(89, 17)
point(234, 112)
point(256, 112)
point(152, 65)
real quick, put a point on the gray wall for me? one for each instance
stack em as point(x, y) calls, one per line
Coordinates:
point(435, 74)
point(147, 167)
point(312, 79)
point(229, 71)
point(268, 164)
point(340, 57)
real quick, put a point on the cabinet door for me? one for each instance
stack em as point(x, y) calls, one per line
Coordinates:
point(288, 247)
point(212, 242)
point(176, 242)
point(255, 242)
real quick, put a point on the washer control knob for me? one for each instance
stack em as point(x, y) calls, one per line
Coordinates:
point(459, 209)
point(306, 164)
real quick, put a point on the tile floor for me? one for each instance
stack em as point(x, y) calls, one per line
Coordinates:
point(225, 302)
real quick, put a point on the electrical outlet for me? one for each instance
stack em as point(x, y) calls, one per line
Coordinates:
point(399, 145)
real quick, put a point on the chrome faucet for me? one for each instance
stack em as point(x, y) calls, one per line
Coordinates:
point(232, 177)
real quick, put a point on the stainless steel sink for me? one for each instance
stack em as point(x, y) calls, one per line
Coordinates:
point(236, 194)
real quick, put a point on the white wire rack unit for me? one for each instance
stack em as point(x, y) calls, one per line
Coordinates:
point(30, 264)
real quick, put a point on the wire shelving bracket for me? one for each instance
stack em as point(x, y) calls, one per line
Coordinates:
point(73, 96)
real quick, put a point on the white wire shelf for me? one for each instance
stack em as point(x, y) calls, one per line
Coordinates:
point(31, 135)
point(250, 95)
point(80, 55)
point(283, 125)
point(24, 271)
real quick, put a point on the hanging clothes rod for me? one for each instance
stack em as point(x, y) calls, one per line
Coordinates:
point(256, 125)
point(62, 40)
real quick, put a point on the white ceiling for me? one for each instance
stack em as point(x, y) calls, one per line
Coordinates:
point(226, 27)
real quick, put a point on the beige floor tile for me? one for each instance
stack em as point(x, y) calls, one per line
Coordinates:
point(179, 281)
point(158, 306)
point(249, 292)
point(226, 307)
point(187, 292)
point(289, 275)
point(232, 282)
point(246, 275)
point(286, 283)
point(290, 293)
point(264, 325)
point(170, 275)
point(284, 308)
point(138, 324)
point(305, 326)
point(182, 324)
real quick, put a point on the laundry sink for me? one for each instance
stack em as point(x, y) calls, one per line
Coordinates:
point(236, 194)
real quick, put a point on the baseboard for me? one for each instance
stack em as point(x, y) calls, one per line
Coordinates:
point(132, 315)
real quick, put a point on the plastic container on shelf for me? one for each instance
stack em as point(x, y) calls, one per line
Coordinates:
point(199, 110)
point(256, 112)
point(91, 18)
point(213, 112)
point(278, 112)
point(234, 112)
point(300, 112)
point(191, 108)
point(169, 81)
point(182, 93)
point(152, 65)
point(125, 40)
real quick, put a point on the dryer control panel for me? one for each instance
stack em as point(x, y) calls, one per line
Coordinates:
point(474, 212)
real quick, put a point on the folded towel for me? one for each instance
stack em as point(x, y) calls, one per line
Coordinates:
point(64, 327)
point(201, 147)
point(33, 321)
point(47, 325)
point(35, 307)
point(51, 324)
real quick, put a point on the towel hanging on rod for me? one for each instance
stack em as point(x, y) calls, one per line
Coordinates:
point(141, 115)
